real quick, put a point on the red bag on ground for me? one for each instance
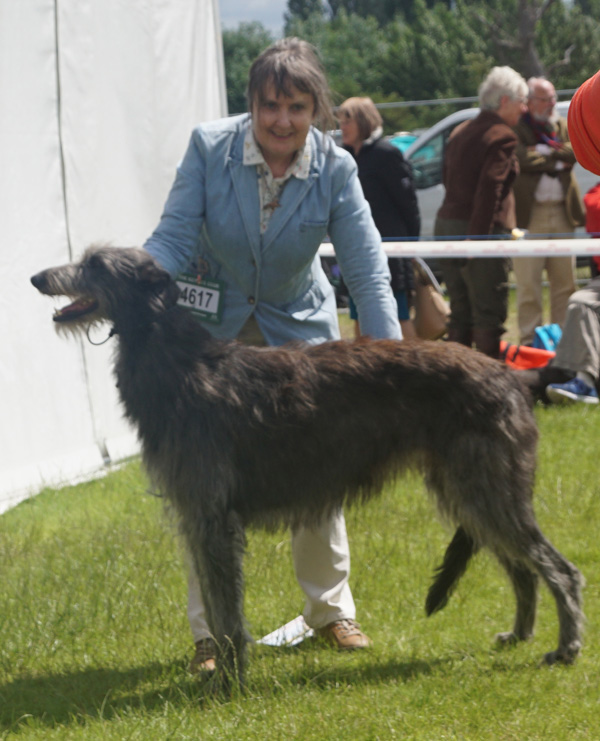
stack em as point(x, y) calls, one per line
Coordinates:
point(522, 357)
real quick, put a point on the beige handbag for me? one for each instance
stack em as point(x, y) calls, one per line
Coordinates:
point(432, 311)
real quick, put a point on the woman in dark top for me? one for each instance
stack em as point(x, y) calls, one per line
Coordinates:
point(387, 183)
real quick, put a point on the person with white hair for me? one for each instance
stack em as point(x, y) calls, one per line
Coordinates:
point(547, 202)
point(480, 166)
point(574, 373)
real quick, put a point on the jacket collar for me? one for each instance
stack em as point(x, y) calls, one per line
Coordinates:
point(299, 167)
point(486, 114)
point(376, 135)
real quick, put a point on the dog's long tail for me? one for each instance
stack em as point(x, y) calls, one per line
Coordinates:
point(456, 559)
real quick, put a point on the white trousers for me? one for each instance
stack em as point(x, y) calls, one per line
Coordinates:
point(322, 565)
point(546, 218)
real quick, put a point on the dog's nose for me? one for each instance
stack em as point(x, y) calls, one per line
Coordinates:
point(38, 280)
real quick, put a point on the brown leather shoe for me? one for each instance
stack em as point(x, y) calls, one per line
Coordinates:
point(345, 634)
point(204, 658)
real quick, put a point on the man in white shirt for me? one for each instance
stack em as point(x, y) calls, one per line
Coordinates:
point(548, 202)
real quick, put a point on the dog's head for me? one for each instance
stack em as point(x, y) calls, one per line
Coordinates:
point(120, 285)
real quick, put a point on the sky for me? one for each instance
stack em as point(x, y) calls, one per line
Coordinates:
point(268, 12)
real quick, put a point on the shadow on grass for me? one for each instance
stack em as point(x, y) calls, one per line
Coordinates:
point(379, 672)
point(375, 667)
point(318, 666)
point(104, 694)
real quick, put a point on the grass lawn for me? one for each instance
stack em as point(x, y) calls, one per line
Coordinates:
point(95, 641)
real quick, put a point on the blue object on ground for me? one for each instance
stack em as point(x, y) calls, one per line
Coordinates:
point(547, 337)
point(572, 392)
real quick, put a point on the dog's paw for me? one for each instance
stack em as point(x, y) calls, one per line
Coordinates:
point(564, 655)
point(507, 639)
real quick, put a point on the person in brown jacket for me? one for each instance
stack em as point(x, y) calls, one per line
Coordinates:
point(480, 166)
point(548, 202)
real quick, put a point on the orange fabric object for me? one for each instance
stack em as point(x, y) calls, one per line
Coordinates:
point(584, 124)
point(592, 209)
point(521, 357)
point(592, 215)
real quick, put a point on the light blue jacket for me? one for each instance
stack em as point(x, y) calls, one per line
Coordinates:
point(212, 213)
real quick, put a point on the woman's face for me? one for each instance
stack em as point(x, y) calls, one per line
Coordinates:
point(281, 123)
point(350, 133)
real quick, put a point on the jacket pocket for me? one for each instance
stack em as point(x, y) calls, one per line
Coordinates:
point(307, 304)
point(317, 229)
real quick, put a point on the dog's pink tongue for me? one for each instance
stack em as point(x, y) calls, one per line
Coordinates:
point(78, 308)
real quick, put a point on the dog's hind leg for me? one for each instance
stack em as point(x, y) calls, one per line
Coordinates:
point(456, 559)
point(217, 547)
point(564, 582)
point(525, 586)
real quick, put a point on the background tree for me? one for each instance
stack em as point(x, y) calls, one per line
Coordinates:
point(411, 50)
point(240, 49)
point(302, 9)
point(439, 56)
point(588, 7)
point(514, 44)
point(568, 42)
point(383, 10)
point(547, 38)
point(351, 49)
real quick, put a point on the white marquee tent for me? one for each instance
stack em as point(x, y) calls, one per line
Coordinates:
point(98, 98)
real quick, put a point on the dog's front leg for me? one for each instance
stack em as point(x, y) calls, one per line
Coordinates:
point(217, 549)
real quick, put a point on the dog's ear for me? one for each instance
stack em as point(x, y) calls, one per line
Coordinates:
point(150, 272)
point(158, 282)
point(170, 294)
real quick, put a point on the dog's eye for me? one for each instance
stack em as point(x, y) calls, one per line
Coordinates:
point(95, 262)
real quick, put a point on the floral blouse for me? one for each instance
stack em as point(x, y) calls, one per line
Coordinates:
point(270, 188)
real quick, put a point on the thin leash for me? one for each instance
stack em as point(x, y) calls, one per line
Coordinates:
point(112, 333)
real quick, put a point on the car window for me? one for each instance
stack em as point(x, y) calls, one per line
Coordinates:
point(427, 162)
point(428, 159)
point(426, 156)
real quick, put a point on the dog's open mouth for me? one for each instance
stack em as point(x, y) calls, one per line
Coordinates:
point(80, 307)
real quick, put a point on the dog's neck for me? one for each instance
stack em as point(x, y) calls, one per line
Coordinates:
point(140, 327)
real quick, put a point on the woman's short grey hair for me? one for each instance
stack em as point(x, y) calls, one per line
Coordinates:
point(364, 112)
point(499, 82)
point(291, 63)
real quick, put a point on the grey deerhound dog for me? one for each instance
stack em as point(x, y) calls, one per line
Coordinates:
point(237, 436)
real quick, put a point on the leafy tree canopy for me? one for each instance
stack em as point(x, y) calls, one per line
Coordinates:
point(410, 50)
point(240, 49)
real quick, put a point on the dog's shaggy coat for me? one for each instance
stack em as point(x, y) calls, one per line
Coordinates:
point(237, 436)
